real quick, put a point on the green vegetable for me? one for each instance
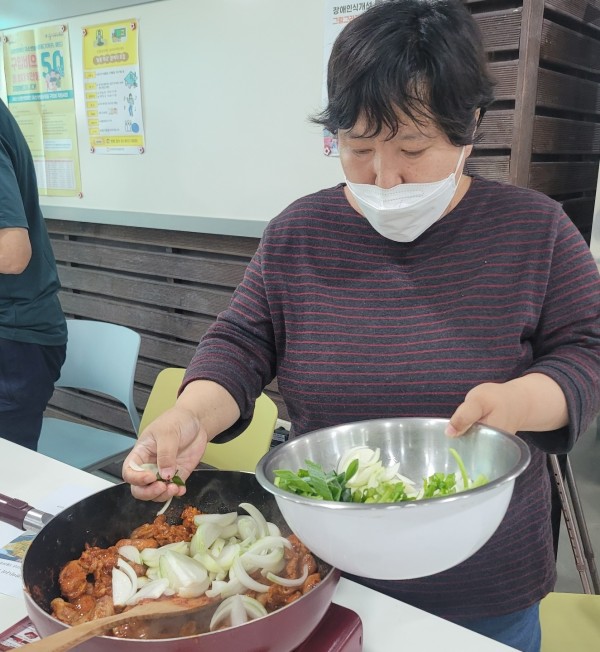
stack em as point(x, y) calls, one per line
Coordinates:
point(175, 480)
point(154, 469)
point(439, 484)
point(461, 467)
point(315, 482)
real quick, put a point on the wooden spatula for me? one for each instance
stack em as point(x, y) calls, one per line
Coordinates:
point(72, 636)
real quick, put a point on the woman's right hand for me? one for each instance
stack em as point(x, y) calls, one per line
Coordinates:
point(175, 441)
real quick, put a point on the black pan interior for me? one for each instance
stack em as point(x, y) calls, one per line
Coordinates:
point(111, 514)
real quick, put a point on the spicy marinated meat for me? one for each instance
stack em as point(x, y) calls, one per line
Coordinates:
point(83, 609)
point(86, 583)
point(163, 533)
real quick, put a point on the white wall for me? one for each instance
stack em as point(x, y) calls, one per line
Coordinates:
point(227, 86)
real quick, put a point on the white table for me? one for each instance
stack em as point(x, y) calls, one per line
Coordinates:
point(387, 623)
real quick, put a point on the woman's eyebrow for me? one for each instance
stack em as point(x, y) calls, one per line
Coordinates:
point(400, 136)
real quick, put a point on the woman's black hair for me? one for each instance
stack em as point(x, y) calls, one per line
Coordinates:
point(424, 58)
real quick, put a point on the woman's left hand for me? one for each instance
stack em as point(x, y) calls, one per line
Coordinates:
point(534, 402)
point(497, 405)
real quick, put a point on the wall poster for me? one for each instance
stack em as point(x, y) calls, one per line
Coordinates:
point(338, 13)
point(113, 94)
point(39, 85)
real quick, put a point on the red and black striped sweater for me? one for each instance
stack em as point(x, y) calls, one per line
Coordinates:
point(355, 326)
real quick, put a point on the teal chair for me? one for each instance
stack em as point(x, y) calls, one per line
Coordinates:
point(101, 358)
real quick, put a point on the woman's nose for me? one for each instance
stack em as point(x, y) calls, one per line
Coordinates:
point(388, 171)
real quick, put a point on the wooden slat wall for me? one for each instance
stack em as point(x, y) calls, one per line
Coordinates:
point(167, 285)
point(567, 47)
point(563, 92)
point(587, 11)
point(546, 120)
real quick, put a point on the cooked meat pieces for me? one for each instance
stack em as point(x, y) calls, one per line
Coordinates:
point(86, 583)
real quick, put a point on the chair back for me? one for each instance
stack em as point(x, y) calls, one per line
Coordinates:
point(241, 453)
point(102, 357)
point(570, 622)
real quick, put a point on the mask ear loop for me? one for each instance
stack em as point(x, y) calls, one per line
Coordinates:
point(460, 159)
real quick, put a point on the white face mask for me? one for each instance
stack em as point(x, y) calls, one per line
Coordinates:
point(404, 212)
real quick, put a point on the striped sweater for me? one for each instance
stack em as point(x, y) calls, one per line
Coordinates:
point(355, 326)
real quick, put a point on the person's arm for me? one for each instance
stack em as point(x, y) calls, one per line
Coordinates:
point(176, 440)
point(15, 250)
point(234, 361)
point(532, 403)
point(559, 394)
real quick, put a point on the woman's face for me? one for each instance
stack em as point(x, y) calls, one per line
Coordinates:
point(416, 154)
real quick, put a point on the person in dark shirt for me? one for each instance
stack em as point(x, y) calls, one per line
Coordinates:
point(33, 331)
point(412, 289)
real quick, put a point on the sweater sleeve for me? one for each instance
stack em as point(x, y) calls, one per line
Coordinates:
point(567, 342)
point(12, 211)
point(238, 350)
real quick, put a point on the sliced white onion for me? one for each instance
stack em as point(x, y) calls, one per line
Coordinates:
point(208, 561)
point(122, 588)
point(217, 562)
point(165, 507)
point(131, 553)
point(153, 573)
point(274, 531)
point(405, 480)
point(228, 555)
point(261, 523)
point(269, 543)
point(150, 556)
point(128, 570)
point(233, 587)
point(181, 570)
point(150, 591)
point(245, 579)
point(218, 545)
point(366, 456)
point(238, 612)
point(253, 607)
point(215, 588)
point(231, 608)
point(285, 581)
point(220, 519)
point(362, 476)
point(276, 568)
point(194, 589)
point(229, 531)
point(206, 534)
point(247, 528)
point(269, 561)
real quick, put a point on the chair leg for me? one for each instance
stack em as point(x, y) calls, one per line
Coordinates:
point(576, 526)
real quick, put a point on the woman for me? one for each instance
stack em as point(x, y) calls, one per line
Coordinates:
point(412, 290)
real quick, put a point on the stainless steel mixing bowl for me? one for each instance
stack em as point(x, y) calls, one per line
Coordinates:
point(409, 539)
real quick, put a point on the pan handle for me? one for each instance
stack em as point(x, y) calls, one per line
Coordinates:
point(22, 515)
